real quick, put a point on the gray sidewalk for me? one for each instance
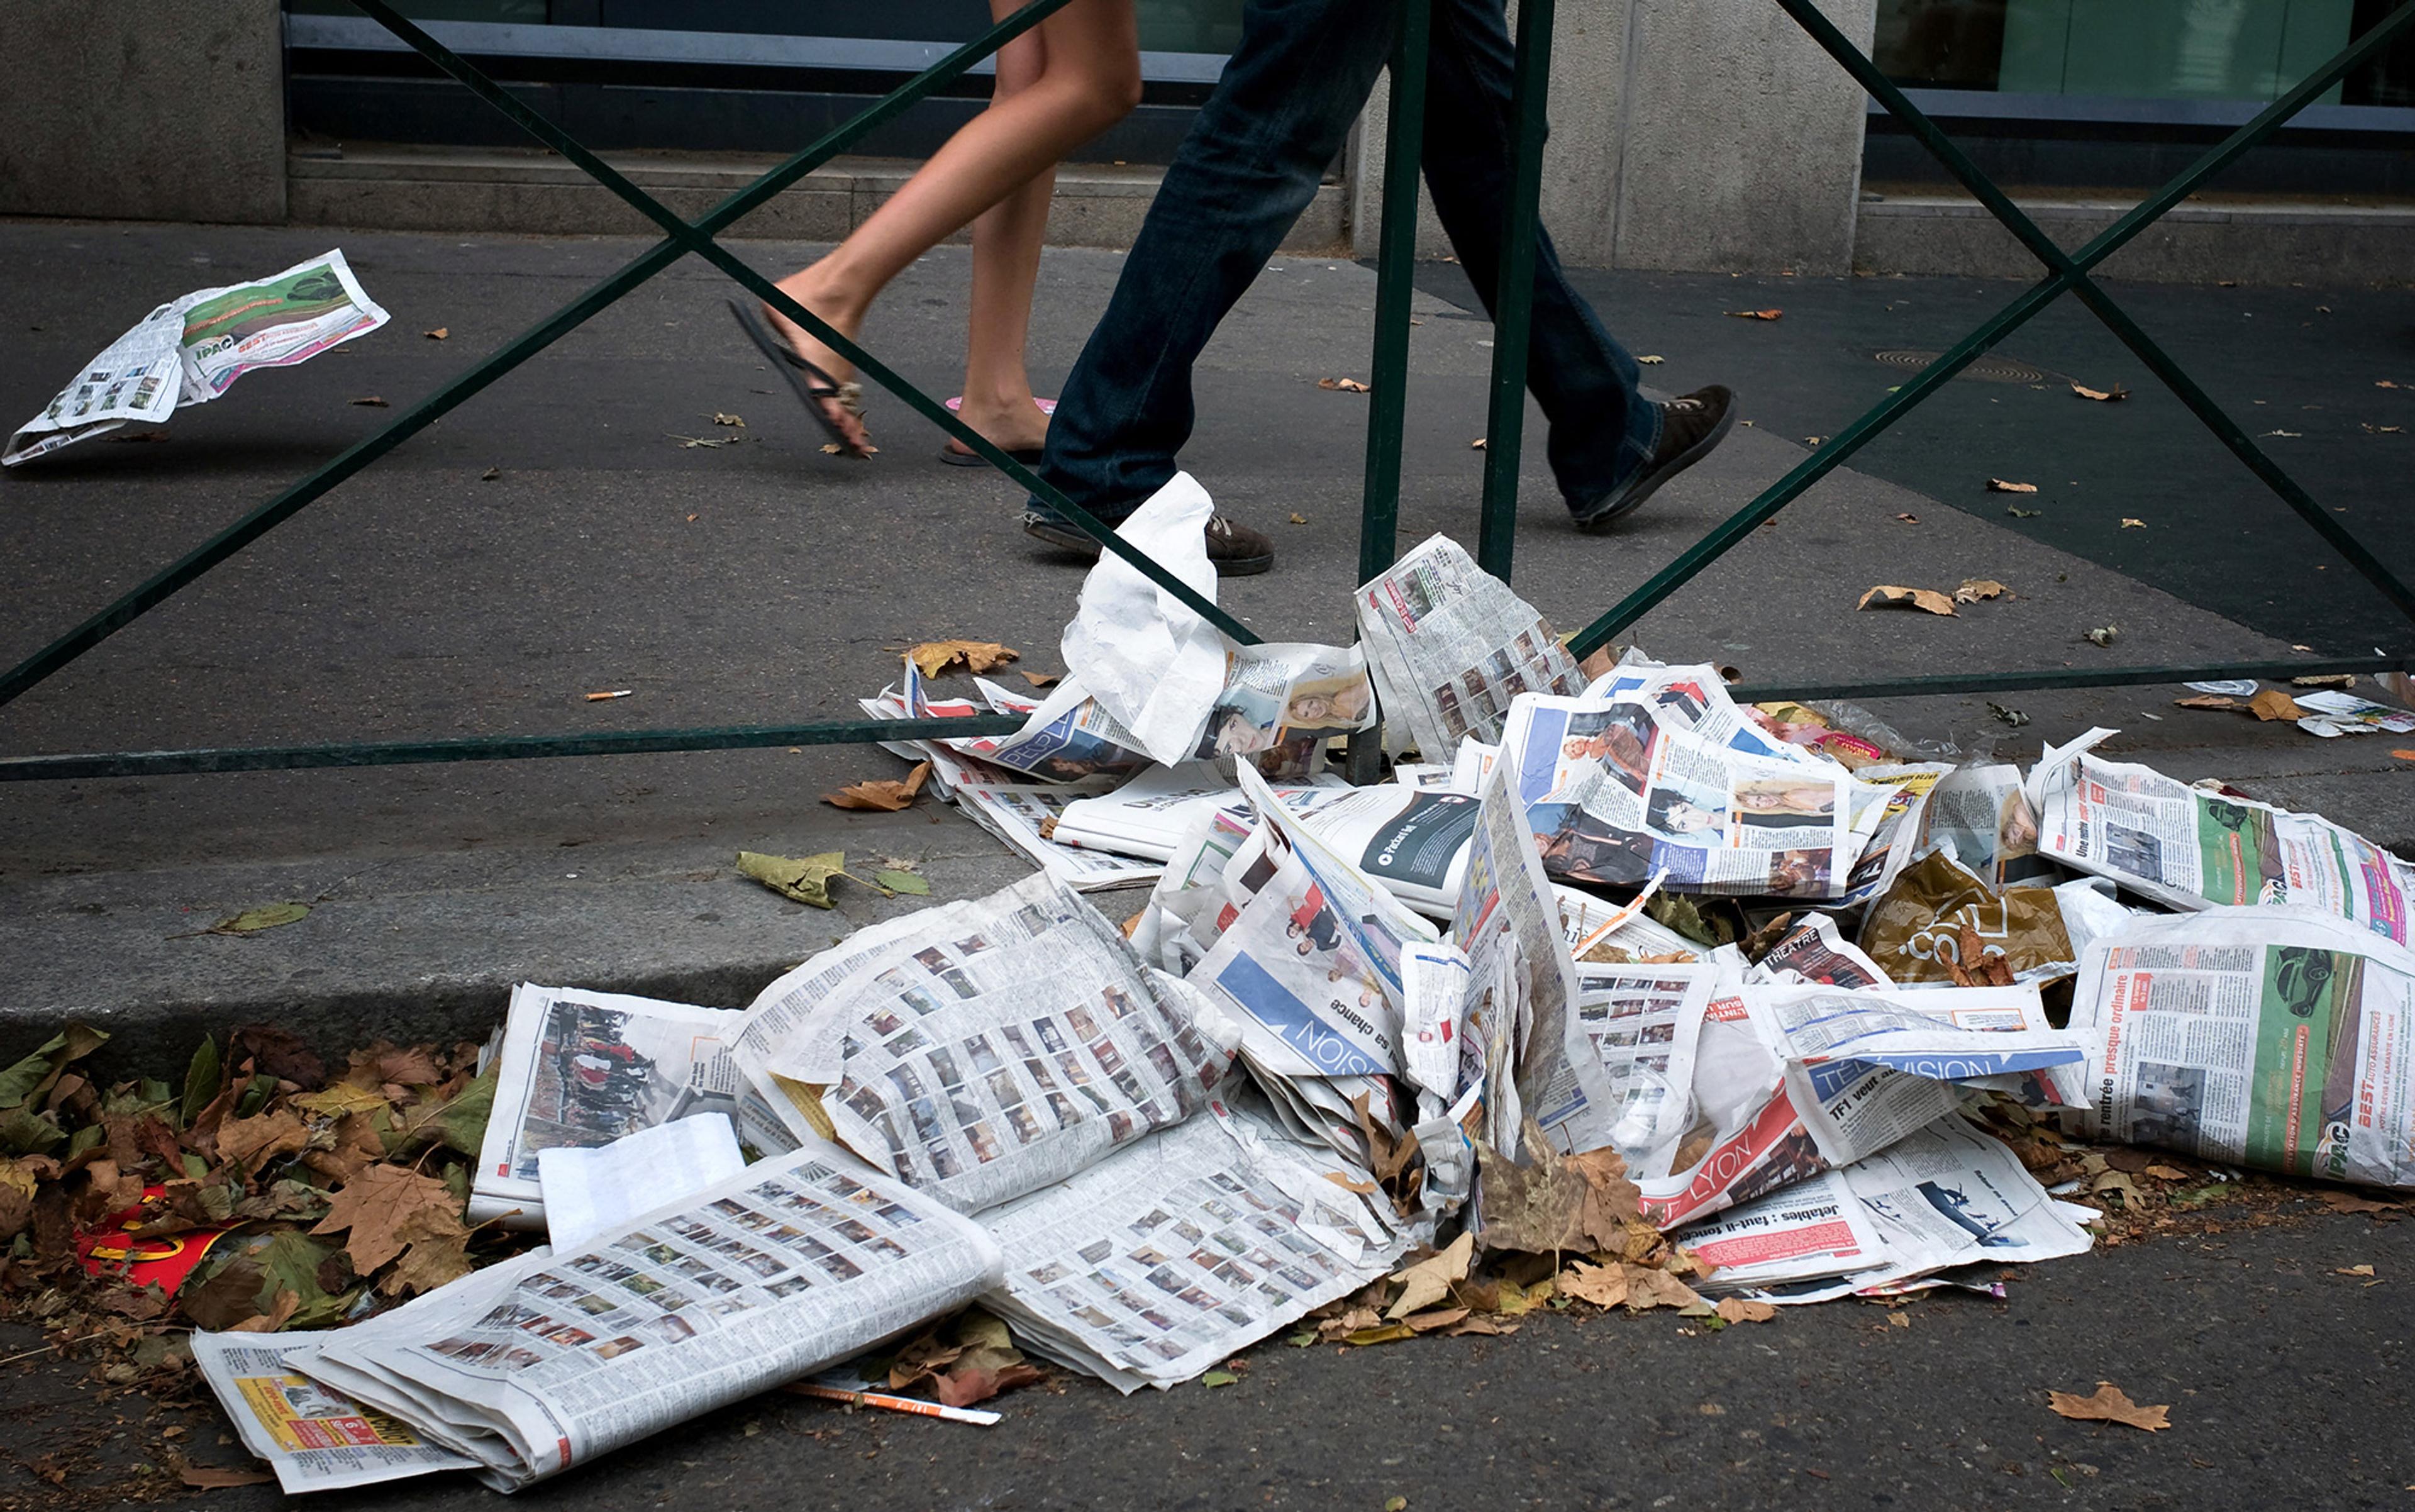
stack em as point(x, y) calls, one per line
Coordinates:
point(763, 581)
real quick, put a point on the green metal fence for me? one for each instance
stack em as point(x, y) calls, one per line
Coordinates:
point(2065, 272)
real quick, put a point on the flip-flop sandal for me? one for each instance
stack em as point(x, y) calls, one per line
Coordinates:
point(956, 455)
point(1046, 406)
point(830, 403)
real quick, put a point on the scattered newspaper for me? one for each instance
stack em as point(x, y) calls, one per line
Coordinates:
point(191, 349)
point(1641, 1025)
point(1166, 1258)
point(1031, 818)
point(314, 1439)
point(983, 1049)
point(2330, 714)
point(581, 1069)
point(1450, 646)
point(2270, 1037)
point(546, 1362)
point(1943, 1196)
point(2189, 849)
point(1621, 786)
point(588, 1192)
point(1152, 663)
point(1812, 953)
point(1148, 816)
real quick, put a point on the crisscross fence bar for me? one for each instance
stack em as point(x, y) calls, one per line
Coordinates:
point(2067, 272)
point(1514, 306)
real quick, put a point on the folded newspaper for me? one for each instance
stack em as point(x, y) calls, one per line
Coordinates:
point(191, 349)
point(579, 1070)
point(2270, 1037)
point(2187, 847)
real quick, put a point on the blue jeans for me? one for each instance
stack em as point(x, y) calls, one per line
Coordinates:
point(1248, 168)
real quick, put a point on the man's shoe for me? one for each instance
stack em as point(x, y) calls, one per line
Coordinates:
point(1689, 428)
point(1237, 550)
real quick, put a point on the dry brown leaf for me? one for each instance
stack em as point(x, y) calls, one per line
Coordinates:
point(1426, 1323)
point(2211, 701)
point(2348, 1201)
point(1604, 1286)
point(1755, 314)
point(2325, 679)
point(1388, 1333)
point(1475, 445)
point(2109, 1404)
point(262, 1138)
point(2005, 486)
point(1346, 386)
point(1909, 519)
point(1480, 1324)
point(1738, 1309)
point(223, 1478)
point(1651, 361)
point(1975, 589)
point(387, 1209)
point(2352, 1270)
point(1430, 1280)
point(1649, 1287)
point(2131, 523)
point(933, 657)
point(439, 334)
point(1043, 679)
point(2102, 396)
point(1891, 596)
point(1579, 1204)
point(2273, 704)
point(371, 401)
point(1899, 1320)
point(280, 1311)
point(885, 794)
point(1299, 519)
point(2402, 753)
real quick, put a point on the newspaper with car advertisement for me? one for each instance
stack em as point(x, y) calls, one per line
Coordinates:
point(2270, 1037)
point(2187, 847)
point(191, 349)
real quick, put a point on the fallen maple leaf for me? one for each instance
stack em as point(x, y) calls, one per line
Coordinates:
point(256, 1141)
point(2006, 485)
point(2273, 704)
point(387, 1208)
point(439, 334)
point(933, 657)
point(2348, 1201)
point(1043, 679)
point(2109, 1404)
point(1299, 519)
point(1604, 1286)
point(1575, 1202)
point(1890, 596)
point(885, 794)
point(1737, 1309)
point(1975, 589)
point(1755, 314)
point(2102, 396)
point(806, 879)
point(1430, 1280)
point(1648, 1287)
point(1346, 386)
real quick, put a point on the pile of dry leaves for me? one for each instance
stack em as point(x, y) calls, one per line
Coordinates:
point(267, 1192)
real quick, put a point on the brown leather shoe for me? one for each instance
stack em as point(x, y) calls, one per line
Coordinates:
point(1237, 550)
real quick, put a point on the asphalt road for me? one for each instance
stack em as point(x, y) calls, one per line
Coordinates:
point(2284, 1380)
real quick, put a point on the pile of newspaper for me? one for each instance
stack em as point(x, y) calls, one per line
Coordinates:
point(1146, 1146)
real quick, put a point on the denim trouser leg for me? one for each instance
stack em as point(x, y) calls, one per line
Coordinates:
point(1601, 427)
point(1249, 166)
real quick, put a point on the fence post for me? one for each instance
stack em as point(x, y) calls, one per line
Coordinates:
point(1513, 297)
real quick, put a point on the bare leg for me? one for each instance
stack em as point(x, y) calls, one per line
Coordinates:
point(1089, 79)
point(1007, 239)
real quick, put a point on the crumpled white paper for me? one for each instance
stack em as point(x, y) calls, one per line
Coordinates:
point(1152, 663)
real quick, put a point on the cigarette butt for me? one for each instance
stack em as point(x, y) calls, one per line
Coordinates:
point(895, 1405)
point(599, 697)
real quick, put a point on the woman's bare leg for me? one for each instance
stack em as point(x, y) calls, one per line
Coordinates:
point(1089, 79)
point(1007, 239)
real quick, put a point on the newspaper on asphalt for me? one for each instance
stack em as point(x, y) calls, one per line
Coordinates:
point(2270, 1037)
point(951, 769)
point(1166, 1258)
point(983, 1049)
point(1619, 787)
point(1031, 817)
point(1943, 1196)
point(590, 1190)
point(581, 1069)
point(191, 349)
point(314, 1439)
point(2331, 714)
point(1148, 816)
point(2187, 847)
point(1450, 646)
point(539, 1364)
